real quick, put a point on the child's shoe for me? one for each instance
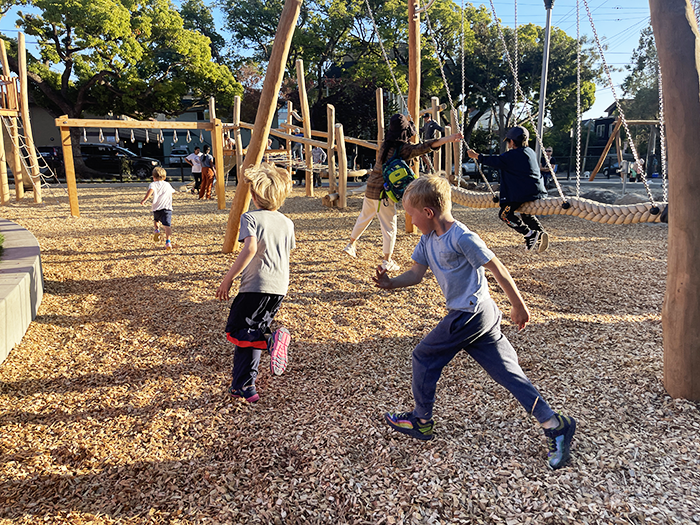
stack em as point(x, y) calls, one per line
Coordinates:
point(559, 441)
point(156, 235)
point(531, 239)
point(544, 242)
point(390, 266)
point(279, 344)
point(407, 423)
point(168, 245)
point(350, 250)
point(248, 393)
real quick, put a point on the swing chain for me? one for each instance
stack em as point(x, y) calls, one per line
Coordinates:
point(578, 99)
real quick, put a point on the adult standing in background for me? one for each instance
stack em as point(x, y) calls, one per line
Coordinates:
point(208, 174)
point(195, 160)
point(548, 175)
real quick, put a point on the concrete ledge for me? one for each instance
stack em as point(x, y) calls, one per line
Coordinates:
point(21, 284)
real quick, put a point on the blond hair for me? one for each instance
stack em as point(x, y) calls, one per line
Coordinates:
point(430, 191)
point(159, 173)
point(269, 184)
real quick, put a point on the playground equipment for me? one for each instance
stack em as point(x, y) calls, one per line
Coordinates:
point(14, 111)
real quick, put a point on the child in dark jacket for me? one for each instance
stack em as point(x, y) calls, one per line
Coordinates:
point(521, 182)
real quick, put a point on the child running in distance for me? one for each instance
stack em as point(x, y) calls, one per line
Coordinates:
point(162, 208)
point(263, 264)
point(457, 258)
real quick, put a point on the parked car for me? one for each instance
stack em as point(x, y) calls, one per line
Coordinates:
point(110, 158)
point(471, 171)
point(469, 167)
point(611, 169)
point(53, 157)
point(177, 156)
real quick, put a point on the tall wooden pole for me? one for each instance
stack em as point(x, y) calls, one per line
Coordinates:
point(678, 47)
point(238, 141)
point(26, 122)
point(69, 169)
point(306, 116)
point(330, 120)
point(379, 94)
point(263, 119)
point(413, 83)
point(290, 121)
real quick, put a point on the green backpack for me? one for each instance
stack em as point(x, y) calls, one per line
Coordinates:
point(397, 176)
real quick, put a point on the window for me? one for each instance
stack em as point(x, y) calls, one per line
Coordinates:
point(600, 130)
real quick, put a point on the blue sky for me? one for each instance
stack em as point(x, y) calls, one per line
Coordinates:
point(618, 24)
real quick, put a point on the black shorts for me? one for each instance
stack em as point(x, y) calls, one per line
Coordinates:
point(163, 216)
point(250, 317)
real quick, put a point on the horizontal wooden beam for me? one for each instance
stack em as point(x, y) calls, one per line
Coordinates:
point(363, 143)
point(9, 112)
point(130, 124)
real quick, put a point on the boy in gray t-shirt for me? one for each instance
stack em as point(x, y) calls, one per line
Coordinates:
point(457, 258)
point(263, 264)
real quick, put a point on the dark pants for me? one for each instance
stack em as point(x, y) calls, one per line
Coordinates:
point(521, 224)
point(480, 335)
point(197, 180)
point(248, 327)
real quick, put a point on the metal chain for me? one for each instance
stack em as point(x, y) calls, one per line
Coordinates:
point(662, 139)
point(386, 58)
point(619, 107)
point(578, 99)
point(519, 94)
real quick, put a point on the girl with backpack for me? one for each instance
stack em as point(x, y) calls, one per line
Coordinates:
point(396, 138)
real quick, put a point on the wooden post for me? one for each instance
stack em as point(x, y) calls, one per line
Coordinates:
point(238, 140)
point(217, 151)
point(18, 167)
point(342, 167)
point(448, 158)
point(10, 152)
point(290, 121)
point(69, 168)
point(607, 147)
point(263, 119)
point(435, 113)
point(4, 184)
point(306, 116)
point(330, 119)
point(379, 95)
point(26, 122)
point(678, 47)
point(413, 84)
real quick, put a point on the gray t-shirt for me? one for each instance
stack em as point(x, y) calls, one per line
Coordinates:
point(456, 258)
point(268, 272)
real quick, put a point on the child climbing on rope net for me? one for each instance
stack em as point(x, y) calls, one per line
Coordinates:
point(457, 258)
point(521, 182)
point(263, 264)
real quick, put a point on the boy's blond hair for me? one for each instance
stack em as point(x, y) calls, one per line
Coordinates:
point(269, 184)
point(430, 191)
point(159, 173)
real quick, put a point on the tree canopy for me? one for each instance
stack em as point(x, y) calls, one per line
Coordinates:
point(124, 57)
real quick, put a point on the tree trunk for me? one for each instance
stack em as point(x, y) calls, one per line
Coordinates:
point(678, 46)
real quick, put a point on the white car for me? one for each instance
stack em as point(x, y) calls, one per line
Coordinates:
point(469, 167)
point(177, 156)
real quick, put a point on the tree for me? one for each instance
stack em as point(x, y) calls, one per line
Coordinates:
point(197, 16)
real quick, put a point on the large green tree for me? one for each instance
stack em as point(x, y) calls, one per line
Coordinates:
point(125, 57)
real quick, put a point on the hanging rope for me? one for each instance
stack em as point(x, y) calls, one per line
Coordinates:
point(101, 136)
point(132, 136)
point(84, 134)
point(189, 138)
point(175, 136)
point(619, 109)
point(662, 138)
point(116, 135)
point(578, 99)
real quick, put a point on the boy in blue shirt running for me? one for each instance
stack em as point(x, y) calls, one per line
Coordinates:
point(457, 258)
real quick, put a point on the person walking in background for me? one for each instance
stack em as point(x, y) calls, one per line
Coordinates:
point(208, 174)
point(319, 157)
point(195, 160)
point(544, 169)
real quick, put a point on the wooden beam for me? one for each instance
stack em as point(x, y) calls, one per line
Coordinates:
point(607, 147)
point(413, 83)
point(69, 169)
point(306, 124)
point(263, 119)
point(290, 119)
point(342, 167)
point(17, 166)
point(131, 124)
point(379, 99)
point(26, 121)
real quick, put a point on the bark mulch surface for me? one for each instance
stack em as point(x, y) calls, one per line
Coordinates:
point(114, 409)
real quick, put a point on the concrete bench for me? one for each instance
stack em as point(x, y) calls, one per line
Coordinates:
point(21, 284)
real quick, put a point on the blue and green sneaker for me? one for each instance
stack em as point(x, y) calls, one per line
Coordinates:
point(407, 423)
point(559, 441)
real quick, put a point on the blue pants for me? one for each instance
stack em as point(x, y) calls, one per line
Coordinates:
point(479, 334)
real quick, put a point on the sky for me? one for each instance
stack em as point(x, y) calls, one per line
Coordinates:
point(618, 24)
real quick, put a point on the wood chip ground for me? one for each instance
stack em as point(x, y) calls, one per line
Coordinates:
point(113, 409)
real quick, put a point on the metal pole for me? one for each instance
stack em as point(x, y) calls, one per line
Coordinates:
point(548, 4)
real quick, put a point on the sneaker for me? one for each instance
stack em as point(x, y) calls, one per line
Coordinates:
point(168, 245)
point(279, 344)
point(390, 266)
point(531, 239)
point(248, 393)
point(350, 250)
point(544, 242)
point(156, 235)
point(407, 423)
point(559, 441)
